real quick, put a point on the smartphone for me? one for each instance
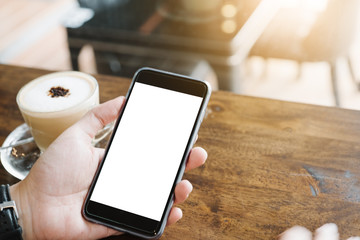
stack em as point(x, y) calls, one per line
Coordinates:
point(133, 188)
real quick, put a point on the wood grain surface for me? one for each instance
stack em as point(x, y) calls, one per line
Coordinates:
point(271, 164)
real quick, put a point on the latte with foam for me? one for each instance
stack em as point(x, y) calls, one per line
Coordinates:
point(52, 103)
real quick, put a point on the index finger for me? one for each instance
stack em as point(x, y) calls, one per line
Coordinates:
point(197, 157)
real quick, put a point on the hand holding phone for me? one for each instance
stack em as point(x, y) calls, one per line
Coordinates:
point(134, 186)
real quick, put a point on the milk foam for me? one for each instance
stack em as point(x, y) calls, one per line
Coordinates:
point(35, 96)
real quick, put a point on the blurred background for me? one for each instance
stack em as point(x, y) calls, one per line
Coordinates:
point(304, 51)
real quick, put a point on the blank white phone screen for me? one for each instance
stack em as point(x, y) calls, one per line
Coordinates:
point(146, 151)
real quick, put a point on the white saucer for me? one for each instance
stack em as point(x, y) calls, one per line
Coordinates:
point(19, 160)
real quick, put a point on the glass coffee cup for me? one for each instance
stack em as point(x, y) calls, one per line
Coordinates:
point(53, 102)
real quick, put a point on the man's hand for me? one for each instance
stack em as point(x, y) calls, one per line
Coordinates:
point(50, 198)
point(328, 231)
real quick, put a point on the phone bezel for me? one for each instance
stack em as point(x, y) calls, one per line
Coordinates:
point(129, 222)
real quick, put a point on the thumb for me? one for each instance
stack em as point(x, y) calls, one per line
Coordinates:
point(99, 116)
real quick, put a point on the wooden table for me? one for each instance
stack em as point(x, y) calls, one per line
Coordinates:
point(271, 164)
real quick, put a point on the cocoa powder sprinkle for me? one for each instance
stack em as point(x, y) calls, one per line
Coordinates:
point(58, 92)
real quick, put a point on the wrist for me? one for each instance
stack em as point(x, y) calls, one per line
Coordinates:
point(18, 194)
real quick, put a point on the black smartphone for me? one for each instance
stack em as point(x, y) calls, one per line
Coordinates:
point(133, 188)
